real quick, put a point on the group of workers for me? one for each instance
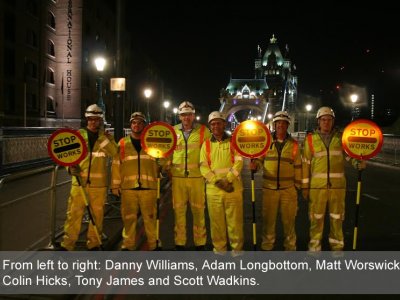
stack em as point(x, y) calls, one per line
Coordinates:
point(205, 169)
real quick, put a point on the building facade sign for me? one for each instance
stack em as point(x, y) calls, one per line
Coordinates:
point(69, 58)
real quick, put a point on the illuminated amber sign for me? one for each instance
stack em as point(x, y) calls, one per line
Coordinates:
point(362, 139)
point(159, 139)
point(251, 139)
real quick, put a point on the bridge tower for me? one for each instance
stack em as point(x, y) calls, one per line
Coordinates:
point(249, 95)
point(273, 88)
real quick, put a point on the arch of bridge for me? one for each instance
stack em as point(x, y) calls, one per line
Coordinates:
point(233, 108)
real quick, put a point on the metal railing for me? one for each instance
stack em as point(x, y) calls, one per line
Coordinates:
point(22, 148)
point(390, 151)
point(19, 206)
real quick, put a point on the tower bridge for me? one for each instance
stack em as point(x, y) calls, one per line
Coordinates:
point(273, 88)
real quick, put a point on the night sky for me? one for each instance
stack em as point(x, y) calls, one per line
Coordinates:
point(197, 46)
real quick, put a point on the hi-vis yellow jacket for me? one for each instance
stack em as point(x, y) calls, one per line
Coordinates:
point(186, 157)
point(282, 170)
point(133, 170)
point(323, 167)
point(94, 165)
point(220, 160)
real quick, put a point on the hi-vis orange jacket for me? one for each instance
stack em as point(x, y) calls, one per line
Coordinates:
point(323, 167)
point(282, 170)
point(185, 161)
point(94, 165)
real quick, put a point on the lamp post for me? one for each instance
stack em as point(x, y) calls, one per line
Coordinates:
point(100, 63)
point(175, 110)
point(166, 105)
point(354, 99)
point(269, 121)
point(308, 109)
point(147, 93)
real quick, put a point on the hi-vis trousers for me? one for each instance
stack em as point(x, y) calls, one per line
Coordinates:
point(131, 201)
point(226, 215)
point(190, 190)
point(286, 201)
point(319, 199)
point(76, 208)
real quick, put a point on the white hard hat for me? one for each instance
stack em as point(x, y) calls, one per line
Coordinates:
point(324, 111)
point(215, 115)
point(281, 115)
point(94, 111)
point(137, 115)
point(186, 108)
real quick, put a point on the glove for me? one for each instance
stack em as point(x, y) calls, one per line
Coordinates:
point(361, 165)
point(116, 192)
point(75, 170)
point(305, 193)
point(224, 185)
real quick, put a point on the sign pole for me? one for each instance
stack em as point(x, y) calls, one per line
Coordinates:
point(158, 140)
point(361, 139)
point(91, 218)
point(357, 210)
point(253, 204)
point(158, 208)
point(252, 139)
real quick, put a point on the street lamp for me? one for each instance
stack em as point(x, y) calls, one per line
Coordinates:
point(175, 110)
point(308, 109)
point(147, 93)
point(269, 122)
point(100, 63)
point(166, 105)
point(354, 99)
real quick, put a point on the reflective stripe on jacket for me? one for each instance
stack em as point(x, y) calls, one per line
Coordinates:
point(323, 167)
point(185, 159)
point(131, 169)
point(282, 170)
point(94, 165)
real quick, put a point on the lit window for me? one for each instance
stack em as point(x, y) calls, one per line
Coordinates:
point(51, 112)
point(51, 20)
point(50, 76)
point(50, 48)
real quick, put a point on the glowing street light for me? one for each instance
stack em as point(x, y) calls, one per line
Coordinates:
point(354, 99)
point(148, 93)
point(270, 122)
point(175, 110)
point(100, 63)
point(308, 109)
point(166, 105)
